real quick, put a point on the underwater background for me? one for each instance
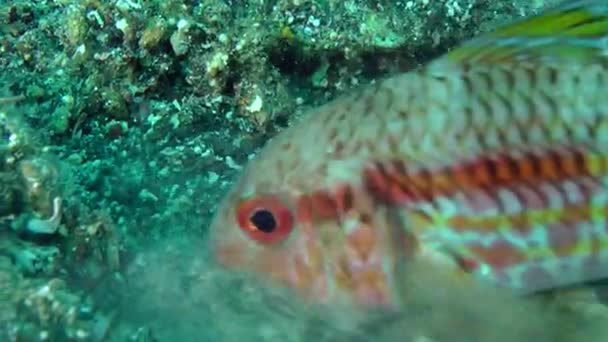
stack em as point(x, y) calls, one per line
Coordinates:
point(124, 122)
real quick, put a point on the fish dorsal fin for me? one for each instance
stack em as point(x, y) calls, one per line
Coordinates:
point(574, 31)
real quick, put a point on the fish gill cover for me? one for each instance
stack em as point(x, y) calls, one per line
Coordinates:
point(124, 122)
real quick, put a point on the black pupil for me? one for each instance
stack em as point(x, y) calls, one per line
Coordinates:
point(264, 220)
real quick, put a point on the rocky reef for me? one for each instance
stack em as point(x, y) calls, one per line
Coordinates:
point(123, 122)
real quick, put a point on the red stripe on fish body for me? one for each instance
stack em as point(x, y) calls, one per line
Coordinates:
point(542, 213)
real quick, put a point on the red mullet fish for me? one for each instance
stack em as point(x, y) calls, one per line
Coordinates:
point(490, 161)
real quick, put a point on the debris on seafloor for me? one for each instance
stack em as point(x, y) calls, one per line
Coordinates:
point(38, 301)
point(50, 225)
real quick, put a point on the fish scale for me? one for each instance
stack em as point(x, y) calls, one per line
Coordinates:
point(521, 110)
point(490, 162)
point(502, 245)
point(543, 175)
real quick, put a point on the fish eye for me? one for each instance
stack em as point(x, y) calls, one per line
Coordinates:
point(265, 219)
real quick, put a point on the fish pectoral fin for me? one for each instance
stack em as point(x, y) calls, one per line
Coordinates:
point(572, 31)
point(416, 259)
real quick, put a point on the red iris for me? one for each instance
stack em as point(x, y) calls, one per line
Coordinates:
point(265, 219)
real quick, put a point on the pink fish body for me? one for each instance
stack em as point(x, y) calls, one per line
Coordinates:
point(491, 161)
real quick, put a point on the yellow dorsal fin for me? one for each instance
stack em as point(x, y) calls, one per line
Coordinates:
point(575, 30)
